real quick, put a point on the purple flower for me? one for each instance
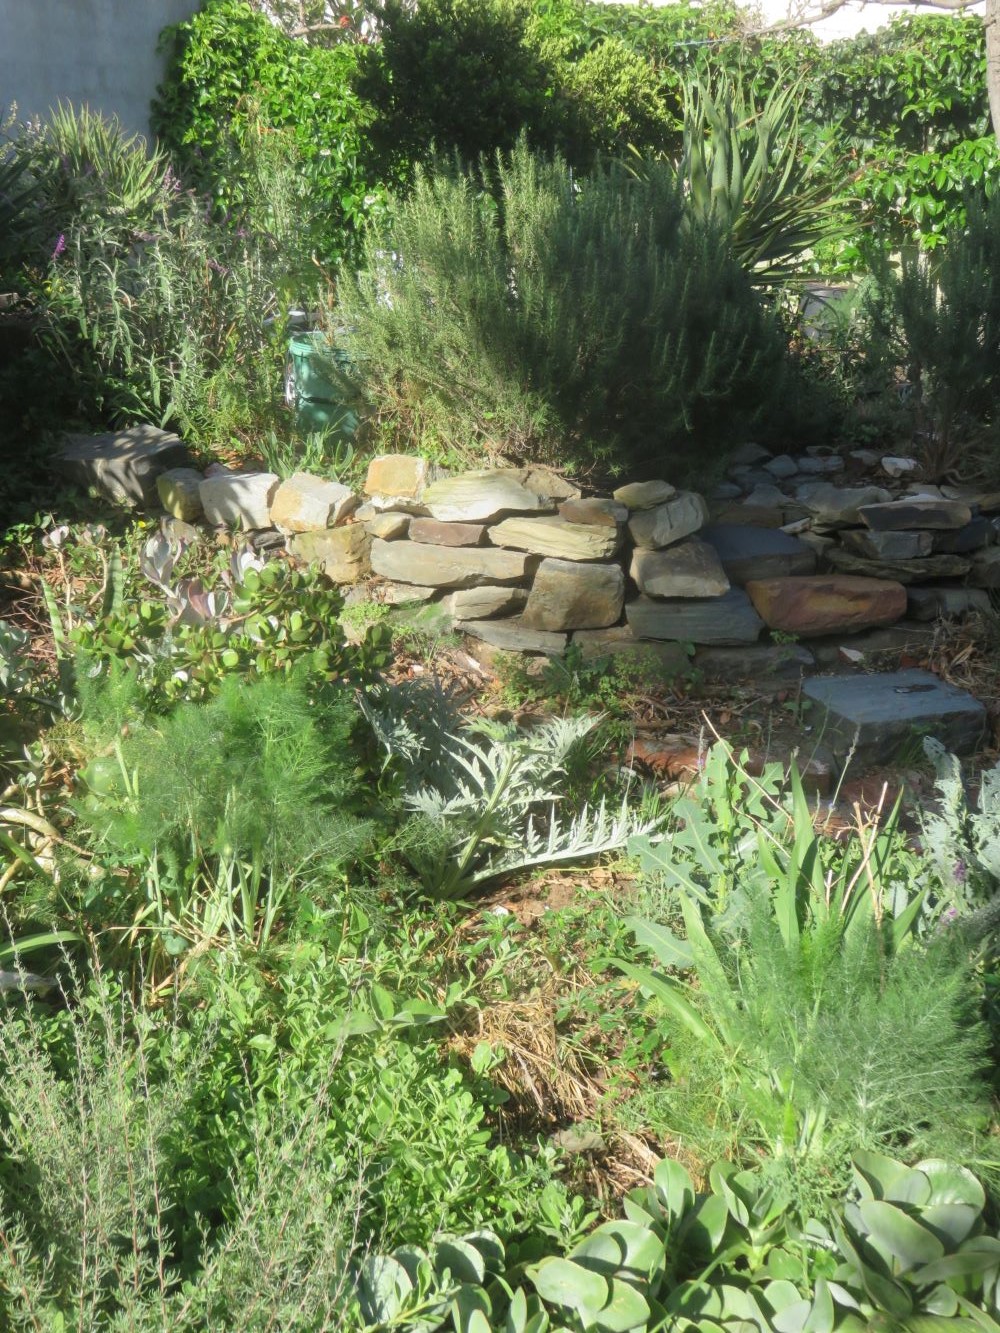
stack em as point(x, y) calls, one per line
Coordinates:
point(960, 871)
point(60, 246)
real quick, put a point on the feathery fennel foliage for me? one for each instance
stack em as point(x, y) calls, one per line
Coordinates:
point(223, 806)
point(811, 1018)
point(484, 799)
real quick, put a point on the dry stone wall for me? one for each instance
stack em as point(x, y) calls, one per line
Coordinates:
point(785, 562)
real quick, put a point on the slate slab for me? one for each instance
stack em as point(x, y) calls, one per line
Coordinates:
point(896, 545)
point(839, 506)
point(449, 566)
point(595, 511)
point(485, 603)
point(480, 497)
point(665, 658)
point(669, 522)
point(930, 601)
point(123, 465)
point(728, 619)
point(748, 552)
point(513, 637)
point(879, 716)
point(755, 661)
point(961, 541)
point(937, 514)
point(554, 536)
point(900, 571)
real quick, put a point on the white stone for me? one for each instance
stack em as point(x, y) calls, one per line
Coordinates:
point(239, 499)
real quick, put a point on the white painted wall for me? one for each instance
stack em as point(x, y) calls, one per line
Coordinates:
point(96, 52)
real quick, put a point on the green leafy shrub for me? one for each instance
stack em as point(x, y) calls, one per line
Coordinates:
point(909, 104)
point(577, 324)
point(458, 76)
point(245, 109)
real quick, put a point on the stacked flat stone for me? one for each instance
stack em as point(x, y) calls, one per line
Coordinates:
point(518, 559)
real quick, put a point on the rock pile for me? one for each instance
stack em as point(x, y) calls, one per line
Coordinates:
point(806, 548)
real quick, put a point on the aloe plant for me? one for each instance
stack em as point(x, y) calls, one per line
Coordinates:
point(745, 169)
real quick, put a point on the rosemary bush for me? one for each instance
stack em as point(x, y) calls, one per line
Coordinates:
point(155, 311)
point(544, 319)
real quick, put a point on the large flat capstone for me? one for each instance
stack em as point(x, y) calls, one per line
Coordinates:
point(749, 552)
point(124, 464)
point(880, 716)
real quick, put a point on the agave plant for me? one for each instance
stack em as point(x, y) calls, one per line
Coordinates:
point(745, 169)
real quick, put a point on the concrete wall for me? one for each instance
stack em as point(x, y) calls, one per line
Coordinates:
point(98, 52)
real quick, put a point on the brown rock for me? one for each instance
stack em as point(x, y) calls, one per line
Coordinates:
point(436, 533)
point(342, 552)
point(551, 535)
point(596, 512)
point(566, 595)
point(305, 503)
point(826, 603)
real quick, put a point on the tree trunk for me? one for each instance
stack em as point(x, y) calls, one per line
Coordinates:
point(991, 20)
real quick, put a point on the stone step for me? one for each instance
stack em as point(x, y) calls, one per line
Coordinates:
point(880, 718)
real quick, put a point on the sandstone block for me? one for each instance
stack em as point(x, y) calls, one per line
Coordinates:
point(239, 499)
point(826, 603)
point(595, 512)
point(342, 552)
point(481, 497)
point(690, 568)
point(304, 503)
point(512, 636)
point(667, 523)
point(449, 567)
point(485, 603)
point(178, 492)
point(644, 494)
point(554, 536)
point(391, 527)
point(403, 475)
point(566, 595)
